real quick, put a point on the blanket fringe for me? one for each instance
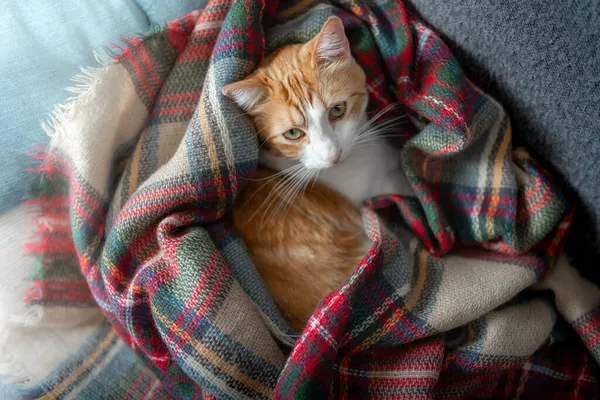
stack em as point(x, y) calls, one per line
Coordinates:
point(14, 371)
point(84, 83)
point(45, 218)
point(51, 164)
point(16, 319)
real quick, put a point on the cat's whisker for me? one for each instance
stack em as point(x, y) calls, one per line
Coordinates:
point(378, 130)
point(382, 112)
point(271, 177)
point(315, 179)
point(375, 137)
point(310, 182)
point(394, 135)
point(285, 202)
point(382, 145)
point(383, 124)
point(285, 198)
point(265, 142)
point(371, 138)
point(388, 122)
point(280, 196)
point(289, 170)
point(377, 116)
point(394, 128)
point(273, 194)
point(299, 187)
point(281, 185)
point(299, 184)
point(312, 176)
point(260, 130)
point(311, 179)
point(293, 200)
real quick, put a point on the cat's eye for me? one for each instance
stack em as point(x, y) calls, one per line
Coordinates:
point(293, 134)
point(337, 111)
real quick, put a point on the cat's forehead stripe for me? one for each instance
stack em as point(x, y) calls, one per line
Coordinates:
point(319, 99)
point(296, 115)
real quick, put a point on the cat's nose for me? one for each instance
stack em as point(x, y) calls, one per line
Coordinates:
point(335, 157)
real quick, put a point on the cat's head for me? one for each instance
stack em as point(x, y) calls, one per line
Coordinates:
point(308, 101)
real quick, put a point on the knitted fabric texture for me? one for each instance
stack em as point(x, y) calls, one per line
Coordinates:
point(144, 166)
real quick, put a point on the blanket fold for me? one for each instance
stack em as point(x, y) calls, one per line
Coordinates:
point(146, 161)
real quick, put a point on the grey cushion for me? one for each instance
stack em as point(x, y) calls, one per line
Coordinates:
point(542, 60)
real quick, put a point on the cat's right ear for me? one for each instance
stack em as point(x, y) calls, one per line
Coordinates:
point(331, 43)
point(247, 94)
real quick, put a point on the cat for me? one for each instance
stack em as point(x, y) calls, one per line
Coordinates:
point(307, 252)
point(321, 157)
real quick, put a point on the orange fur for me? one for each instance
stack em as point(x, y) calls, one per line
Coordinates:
point(288, 79)
point(305, 253)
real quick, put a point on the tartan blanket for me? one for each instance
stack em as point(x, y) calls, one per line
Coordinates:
point(144, 165)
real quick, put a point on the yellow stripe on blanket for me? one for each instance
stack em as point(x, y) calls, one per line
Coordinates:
point(91, 360)
point(213, 357)
point(497, 179)
point(410, 303)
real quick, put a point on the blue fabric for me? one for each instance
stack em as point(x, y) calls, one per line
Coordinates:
point(8, 391)
point(43, 45)
point(162, 12)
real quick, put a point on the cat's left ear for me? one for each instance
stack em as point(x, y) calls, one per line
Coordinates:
point(331, 43)
point(247, 94)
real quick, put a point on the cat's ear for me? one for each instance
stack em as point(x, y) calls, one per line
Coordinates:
point(247, 94)
point(331, 43)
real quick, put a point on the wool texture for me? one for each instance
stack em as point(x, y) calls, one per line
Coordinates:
point(139, 181)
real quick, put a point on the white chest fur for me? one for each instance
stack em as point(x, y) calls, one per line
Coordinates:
point(367, 172)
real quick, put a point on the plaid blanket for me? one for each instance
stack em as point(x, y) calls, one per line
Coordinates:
point(145, 163)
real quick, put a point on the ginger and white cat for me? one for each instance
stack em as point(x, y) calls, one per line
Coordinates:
point(308, 103)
